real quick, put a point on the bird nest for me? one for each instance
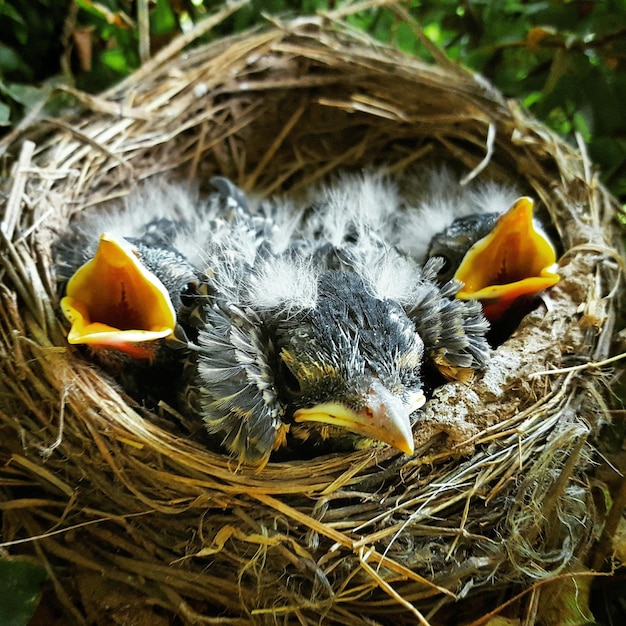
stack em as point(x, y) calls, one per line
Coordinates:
point(136, 521)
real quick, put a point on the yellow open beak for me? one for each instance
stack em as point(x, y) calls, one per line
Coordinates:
point(514, 260)
point(113, 301)
point(385, 417)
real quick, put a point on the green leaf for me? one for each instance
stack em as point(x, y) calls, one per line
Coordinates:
point(26, 95)
point(5, 114)
point(10, 60)
point(9, 12)
point(116, 60)
point(162, 20)
point(20, 590)
point(405, 38)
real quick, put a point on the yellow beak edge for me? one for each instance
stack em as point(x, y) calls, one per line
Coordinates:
point(114, 301)
point(512, 261)
point(384, 418)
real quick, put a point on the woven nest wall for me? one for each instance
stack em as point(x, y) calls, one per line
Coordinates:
point(135, 520)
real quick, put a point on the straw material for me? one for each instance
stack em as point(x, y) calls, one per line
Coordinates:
point(137, 523)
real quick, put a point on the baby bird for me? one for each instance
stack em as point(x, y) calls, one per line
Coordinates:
point(501, 259)
point(130, 296)
point(487, 236)
point(318, 328)
point(125, 296)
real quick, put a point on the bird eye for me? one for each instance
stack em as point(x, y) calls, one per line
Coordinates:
point(289, 379)
point(189, 294)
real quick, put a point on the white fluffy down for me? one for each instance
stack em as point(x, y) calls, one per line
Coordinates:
point(385, 221)
point(283, 282)
point(147, 202)
point(435, 198)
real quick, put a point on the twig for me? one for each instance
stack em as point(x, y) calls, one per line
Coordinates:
point(605, 543)
point(176, 45)
point(387, 588)
point(491, 138)
point(143, 26)
point(579, 368)
point(13, 210)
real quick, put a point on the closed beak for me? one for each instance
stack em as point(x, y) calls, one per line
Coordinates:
point(385, 417)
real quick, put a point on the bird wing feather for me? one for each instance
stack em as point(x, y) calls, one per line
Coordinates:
point(236, 385)
point(453, 331)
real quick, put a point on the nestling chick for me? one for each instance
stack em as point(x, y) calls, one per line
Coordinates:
point(345, 362)
point(119, 300)
point(487, 236)
point(131, 297)
point(508, 258)
point(318, 330)
point(503, 258)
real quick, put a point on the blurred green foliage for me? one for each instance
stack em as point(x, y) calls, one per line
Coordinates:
point(20, 590)
point(564, 59)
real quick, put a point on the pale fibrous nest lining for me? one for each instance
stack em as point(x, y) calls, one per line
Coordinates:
point(497, 492)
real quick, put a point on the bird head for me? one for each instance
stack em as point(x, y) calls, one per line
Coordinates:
point(511, 258)
point(351, 363)
point(452, 244)
point(115, 301)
